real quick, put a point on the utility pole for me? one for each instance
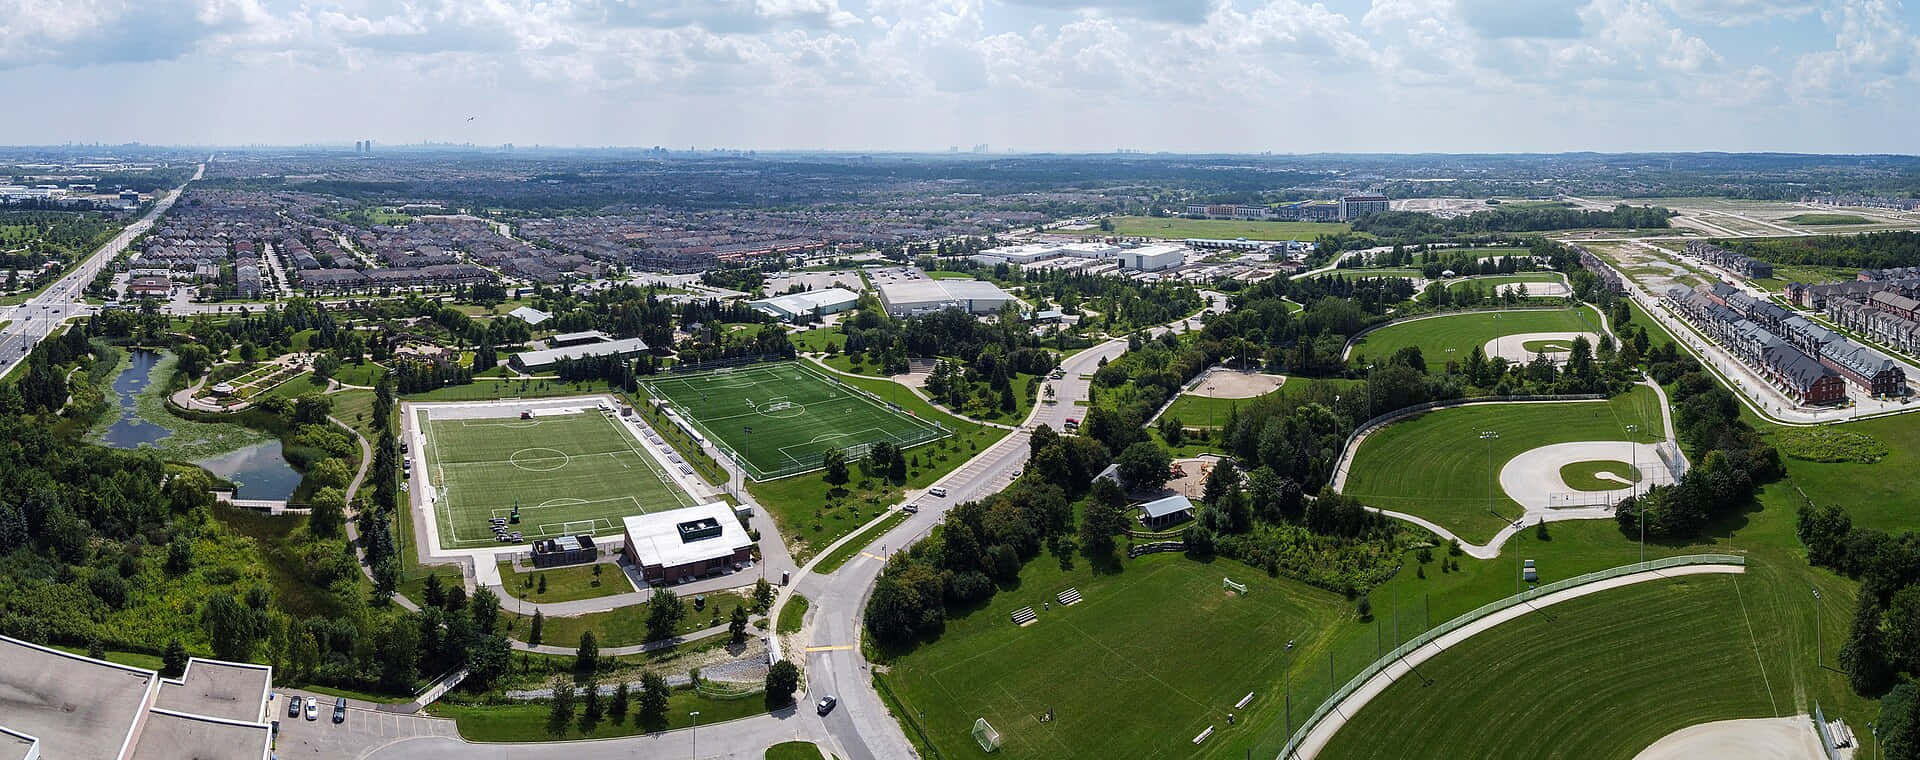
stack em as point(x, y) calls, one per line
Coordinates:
point(1490, 436)
point(1633, 474)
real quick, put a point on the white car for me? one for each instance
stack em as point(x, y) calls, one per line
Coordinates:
point(313, 709)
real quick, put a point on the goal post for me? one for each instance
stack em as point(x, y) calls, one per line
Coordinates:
point(1238, 588)
point(984, 733)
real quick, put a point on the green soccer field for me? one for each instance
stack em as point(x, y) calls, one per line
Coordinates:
point(1581, 679)
point(567, 473)
point(779, 419)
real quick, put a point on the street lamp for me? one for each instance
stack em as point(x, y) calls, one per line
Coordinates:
point(1287, 687)
point(1819, 646)
point(696, 733)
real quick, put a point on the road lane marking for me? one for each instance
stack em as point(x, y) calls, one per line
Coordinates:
point(839, 648)
point(872, 556)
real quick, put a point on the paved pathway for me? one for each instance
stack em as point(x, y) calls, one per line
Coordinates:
point(1324, 731)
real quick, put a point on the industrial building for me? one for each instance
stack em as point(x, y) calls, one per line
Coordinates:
point(799, 307)
point(684, 544)
point(59, 705)
point(1153, 258)
point(906, 291)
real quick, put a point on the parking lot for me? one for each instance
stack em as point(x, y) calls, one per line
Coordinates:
point(364, 730)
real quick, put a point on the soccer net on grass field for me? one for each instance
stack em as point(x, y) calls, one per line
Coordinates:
point(983, 732)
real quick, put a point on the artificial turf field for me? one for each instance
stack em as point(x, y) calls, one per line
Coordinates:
point(795, 415)
point(568, 473)
point(1580, 679)
point(1154, 655)
point(1436, 466)
point(1453, 337)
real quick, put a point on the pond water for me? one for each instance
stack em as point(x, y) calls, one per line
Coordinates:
point(258, 471)
point(128, 430)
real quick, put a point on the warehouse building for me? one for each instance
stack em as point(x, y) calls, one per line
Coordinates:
point(799, 307)
point(59, 705)
point(906, 291)
point(1153, 258)
point(681, 545)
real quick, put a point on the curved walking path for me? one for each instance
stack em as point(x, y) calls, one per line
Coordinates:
point(1323, 732)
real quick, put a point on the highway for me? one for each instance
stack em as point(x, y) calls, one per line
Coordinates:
point(41, 315)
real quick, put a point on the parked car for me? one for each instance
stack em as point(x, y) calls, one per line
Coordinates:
point(313, 709)
point(938, 491)
point(293, 706)
point(826, 704)
point(340, 710)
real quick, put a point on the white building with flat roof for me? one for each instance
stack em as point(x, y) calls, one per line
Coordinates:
point(906, 291)
point(1153, 258)
point(794, 306)
point(688, 543)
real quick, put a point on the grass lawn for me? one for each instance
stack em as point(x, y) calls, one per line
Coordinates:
point(366, 374)
point(782, 417)
point(1493, 281)
point(565, 474)
point(812, 513)
point(1877, 495)
point(527, 722)
point(846, 363)
point(1131, 648)
point(1820, 219)
point(1178, 228)
point(1435, 466)
point(795, 751)
point(487, 389)
point(565, 583)
point(1359, 274)
point(833, 560)
point(1584, 476)
point(1607, 686)
point(1454, 336)
point(818, 339)
point(625, 626)
point(792, 615)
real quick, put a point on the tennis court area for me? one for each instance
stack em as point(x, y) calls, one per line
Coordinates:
point(568, 471)
point(779, 419)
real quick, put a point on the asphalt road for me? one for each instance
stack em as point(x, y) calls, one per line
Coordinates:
point(41, 315)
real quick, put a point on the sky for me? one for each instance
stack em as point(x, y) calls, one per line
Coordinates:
point(1242, 76)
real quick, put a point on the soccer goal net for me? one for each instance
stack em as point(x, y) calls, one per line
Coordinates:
point(983, 733)
point(1238, 588)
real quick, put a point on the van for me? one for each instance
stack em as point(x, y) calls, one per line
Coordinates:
point(938, 491)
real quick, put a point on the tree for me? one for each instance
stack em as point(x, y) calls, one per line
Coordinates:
point(1364, 609)
point(485, 609)
point(618, 707)
point(1864, 656)
point(664, 613)
point(543, 584)
point(432, 592)
point(782, 679)
point(174, 662)
point(179, 555)
point(1104, 516)
point(560, 708)
point(587, 657)
point(328, 512)
point(762, 595)
point(232, 628)
point(1900, 722)
point(593, 711)
point(488, 657)
point(533, 631)
point(1143, 466)
point(737, 628)
point(398, 650)
point(653, 700)
point(1903, 626)
point(835, 462)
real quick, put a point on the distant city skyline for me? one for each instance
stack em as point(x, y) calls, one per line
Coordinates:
point(1191, 76)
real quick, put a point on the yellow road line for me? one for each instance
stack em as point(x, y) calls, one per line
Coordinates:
point(871, 555)
point(840, 648)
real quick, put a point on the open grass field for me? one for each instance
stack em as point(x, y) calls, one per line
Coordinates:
point(567, 473)
point(1127, 672)
point(779, 419)
point(1577, 680)
point(527, 721)
point(626, 626)
point(1825, 219)
point(1436, 466)
point(1178, 228)
point(1454, 336)
point(1355, 273)
point(1507, 279)
point(564, 584)
point(1585, 476)
point(794, 751)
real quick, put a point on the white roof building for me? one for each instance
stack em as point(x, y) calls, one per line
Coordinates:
point(793, 306)
point(684, 543)
point(546, 357)
point(1153, 258)
point(530, 315)
point(907, 291)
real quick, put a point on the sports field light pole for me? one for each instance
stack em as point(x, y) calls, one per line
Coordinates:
point(1633, 488)
point(1490, 436)
point(696, 734)
point(1287, 687)
point(1819, 646)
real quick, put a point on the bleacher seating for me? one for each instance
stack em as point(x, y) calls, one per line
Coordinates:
point(1068, 597)
point(1024, 616)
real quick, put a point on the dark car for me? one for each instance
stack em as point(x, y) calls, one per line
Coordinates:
point(826, 704)
point(340, 710)
point(293, 706)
